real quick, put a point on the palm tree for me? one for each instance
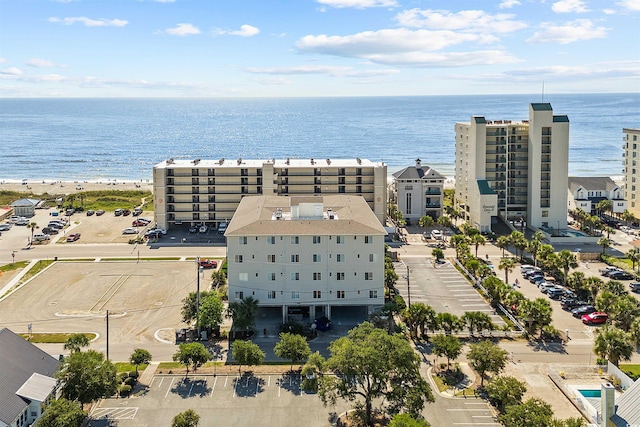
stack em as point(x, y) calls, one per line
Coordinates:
point(605, 243)
point(566, 261)
point(444, 222)
point(503, 243)
point(519, 241)
point(604, 206)
point(243, 313)
point(534, 245)
point(627, 216)
point(507, 264)
point(613, 344)
point(633, 255)
point(33, 227)
point(426, 222)
point(477, 240)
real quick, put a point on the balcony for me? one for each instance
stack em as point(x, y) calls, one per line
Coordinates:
point(430, 192)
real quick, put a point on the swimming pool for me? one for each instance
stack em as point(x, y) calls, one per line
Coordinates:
point(573, 233)
point(590, 393)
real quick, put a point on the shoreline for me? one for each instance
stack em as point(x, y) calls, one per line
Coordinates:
point(56, 187)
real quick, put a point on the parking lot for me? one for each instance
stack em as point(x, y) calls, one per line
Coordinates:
point(222, 400)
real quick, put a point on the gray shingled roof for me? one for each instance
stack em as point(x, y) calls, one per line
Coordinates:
point(592, 183)
point(413, 172)
point(19, 359)
point(628, 407)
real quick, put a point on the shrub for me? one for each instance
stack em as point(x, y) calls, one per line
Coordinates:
point(122, 376)
point(125, 390)
point(130, 381)
point(134, 374)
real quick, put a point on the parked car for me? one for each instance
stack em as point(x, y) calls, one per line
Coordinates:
point(621, 275)
point(41, 237)
point(118, 212)
point(139, 223)
point(193, 229)
point(99, 212)
point(203, 229)
point(609, 271)
point(635, 287)
point(153, 234)
point(435, 234)
point(207, 263)
point(595, 318)
point(73, 237)
point(5, 226)
point(130, 230)
point(50, 230)
point(90, 212)
point(582, 310)
point(126, 212)
point(23, 221)
point(556, 292)
point(137, 211)
point(571, 303)
point(158, 230)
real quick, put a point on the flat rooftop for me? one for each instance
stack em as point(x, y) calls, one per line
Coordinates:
point(257, 163)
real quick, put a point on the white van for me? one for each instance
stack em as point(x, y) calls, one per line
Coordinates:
point(41, 237)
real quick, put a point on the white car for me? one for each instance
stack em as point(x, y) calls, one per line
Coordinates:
point(130, 230)
point(436, 234)
point(41, 237)
point(222, 227)
point(203, 229)
point(157, 230)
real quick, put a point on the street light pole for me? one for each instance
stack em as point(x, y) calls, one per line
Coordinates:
point(408, 288)
point(198, 296)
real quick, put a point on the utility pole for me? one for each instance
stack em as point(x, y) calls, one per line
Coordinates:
point(107, 334)
point(408, 289)
point(198, 296)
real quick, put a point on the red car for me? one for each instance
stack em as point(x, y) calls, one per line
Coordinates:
point(595, 318)
point(207, 263)
point(139, 223)
point(73, 237)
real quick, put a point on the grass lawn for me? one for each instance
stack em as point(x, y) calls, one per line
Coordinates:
point(53, 338)
point(632, 370)
point(128, 367)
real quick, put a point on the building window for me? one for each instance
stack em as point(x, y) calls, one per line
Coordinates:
point(317, 276)
point(295, 240)
point(317, 240)
point(239, 294)
point(271, 295)
point(295, 276)
point(340, 276)
point(295, 295)
point(368, 275)
point(271, 240)
point(408, 201)
point(340, 240)
point(340, 294)
point(317, 257)
point(238, 259)
point(243, 277)
point(340, 258)
point(295, 258)
point(372, 257)
point(368, 240)
point(545, 214)
point(242, 240)
point(271, 258)
point(271, 277)
point(373, 294)
point(317, 294)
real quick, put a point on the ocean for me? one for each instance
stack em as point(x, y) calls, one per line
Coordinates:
point(99, 139)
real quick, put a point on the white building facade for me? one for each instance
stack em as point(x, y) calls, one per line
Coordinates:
point(306, 255)
point(631, 162)
point(418, 191)
point(207, 192)
point(586, 192)
point(517, 170)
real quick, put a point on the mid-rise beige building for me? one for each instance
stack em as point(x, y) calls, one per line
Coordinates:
point(306, 255)
point(514, 169)
point(631, 163)
point(207, 192)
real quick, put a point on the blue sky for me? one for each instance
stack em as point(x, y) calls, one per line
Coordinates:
point(284, 48)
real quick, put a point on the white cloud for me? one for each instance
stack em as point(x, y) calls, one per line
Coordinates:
point(88, 22)
point(465, 20)
point(321, 69)
point(183, 29)
point(3, 60)
point(508, 4)
point(597, 71)
point(358, 4)
point(567, 6)
point(630, 4)
point(608, 11)
point(13, 71)
point(245, 31)
point(40, 63)
point(573, 31)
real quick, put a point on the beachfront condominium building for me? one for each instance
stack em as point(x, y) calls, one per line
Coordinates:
point(418, 191)
point(307, 255)
point(207, 192)
point(586, 192)
point(516, 170)
point(631, 164)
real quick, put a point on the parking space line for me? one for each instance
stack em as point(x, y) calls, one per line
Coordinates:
point(269, 381)
point(169, 389)
point(193, 381)
point(214, 386)
point(257, 386)
point(161, 380)
point(235, 386)
point(225, 380)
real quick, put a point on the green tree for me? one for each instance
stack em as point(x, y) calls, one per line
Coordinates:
point(503, 242)
point(505, 391)
point(371, 364)
point(449, 322)
point(243, 313)
point(438, 254)
point(593, 285)
point(486, 357)
point(292, 347)
point(613, 344)
point(140, 356)
point(448, 346)
point(246, 353)
point(192, 354)
point(604, 206)
point(567, 260)
point(477, 321)
point(87, 376)
point(33, 227)
point(61, 413)
point(536, 313)
point(426, 222)
point(519, 241)
point(189, 305)
point(390, 277)
point(633, 255)
point(188, 418)
point(76, 342)
point(407, 420)
point(496, 289)
point(477, 240)
point(507, 264)
point(534, 245)
point(634, 331)
point(219, 278)
point(472, 265)
point(211, 310)
point(444, 222)
point(605, 243)
point(532, 413)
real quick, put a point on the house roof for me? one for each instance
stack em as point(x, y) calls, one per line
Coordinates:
point(350, 214)
point(19, 360)
point(592, 183)
point(628, 407)
point(38, 387)
point(25, 203)
point(413, 172)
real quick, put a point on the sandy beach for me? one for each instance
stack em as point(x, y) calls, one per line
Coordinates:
point(68, 187)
